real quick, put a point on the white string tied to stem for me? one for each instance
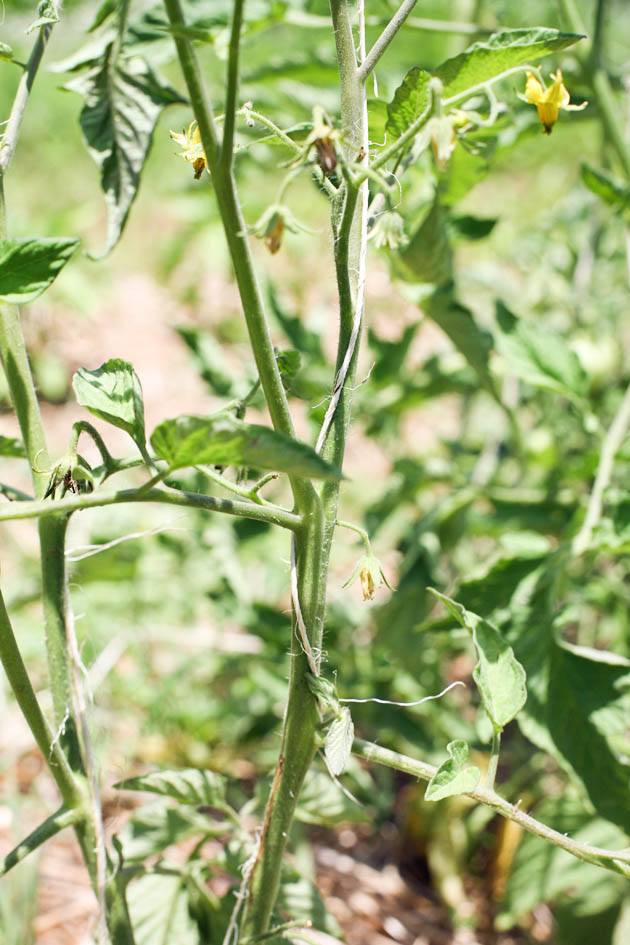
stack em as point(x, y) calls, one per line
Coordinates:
point(409, 704)
point(302, 632)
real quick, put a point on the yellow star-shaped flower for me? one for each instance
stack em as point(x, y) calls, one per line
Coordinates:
point(192, 149)
point(549, 101)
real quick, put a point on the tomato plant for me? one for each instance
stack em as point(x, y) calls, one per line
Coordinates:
point(511, 537)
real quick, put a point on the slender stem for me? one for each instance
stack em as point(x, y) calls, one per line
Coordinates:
point(361, 532)
point(24, 693)
point(406, 137)
point(193, 500)
point(612, 444)
point(491, 773)
point(236, 236)
point(14, 123)
point(618, 862)
point(231, 95)
point(385, 38)
point(598, 77)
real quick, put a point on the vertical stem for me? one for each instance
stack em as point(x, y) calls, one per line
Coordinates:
point(231, 95)
point(314, 543)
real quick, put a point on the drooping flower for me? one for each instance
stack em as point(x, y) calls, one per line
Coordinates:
point(272, 225)
point(389, 231)
point(370, 573)
point(192, 148)
point(323, 138)
point(549, 101)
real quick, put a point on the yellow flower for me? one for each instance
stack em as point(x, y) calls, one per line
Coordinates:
point(549, 101)
point(370, 574)
point(192, 149)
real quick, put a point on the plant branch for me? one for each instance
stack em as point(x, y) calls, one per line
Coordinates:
point(236, 236)
point(618, 862)
point(53, 825)
point(91, 500)
point(385, 38)
point(14, 123)
point(227, 144)
point(610, 447)
point(24, 693)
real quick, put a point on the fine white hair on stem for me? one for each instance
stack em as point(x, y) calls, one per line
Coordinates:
point(87, 551)
point(231, 936)
point(302, 632)
point(409, 704)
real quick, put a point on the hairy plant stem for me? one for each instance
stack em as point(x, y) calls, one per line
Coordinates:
point(272, 514)
point(313, 548)
point(66, 685)
point(386, 37)
point(298, 741)
point(618, 862)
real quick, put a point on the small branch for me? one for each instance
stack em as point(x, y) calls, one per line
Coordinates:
point(610, 447)
point(22, 688)
point(385, 38)
point(361, 532)
point(227, 145)
point(491, 773)
point(75, 503)
point(618, 862)
point(49, 828)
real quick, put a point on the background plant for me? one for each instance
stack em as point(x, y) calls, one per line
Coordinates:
point(531, 422)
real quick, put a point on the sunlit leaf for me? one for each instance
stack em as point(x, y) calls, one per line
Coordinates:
point(187, 785)
point(338, 744)
point(123, 101)
point(499, 676)
point(114, 394)
point(28, 266)
point(454, 776)
point(492, 57)
point(223, 440)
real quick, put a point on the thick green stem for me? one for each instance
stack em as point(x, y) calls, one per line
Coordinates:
point(231, 95)
point(313, 545)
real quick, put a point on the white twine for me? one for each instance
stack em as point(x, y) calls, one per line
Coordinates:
point(302, 633)
point(232, 932)
point(409, 704)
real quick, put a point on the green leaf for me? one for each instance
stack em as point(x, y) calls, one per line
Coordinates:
point(323, 802)
point(113, 393)
point(11, 446)
point(499, 676)
point(105, 10)
point(539, 356)
point(454, 776)
point(491, 58)
point(410, 100)
point(188, 786)
point(222, 440)
point(427, 257)
point(28, 266)
point(154, 828)
point(299, 899)
point(338, 744)
point(123, 101)
point(159, 911)
point(209, 357)
point(46, 16)
point(578, 699)
point(458, 322)
point(472, 228)
point(612, 191)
